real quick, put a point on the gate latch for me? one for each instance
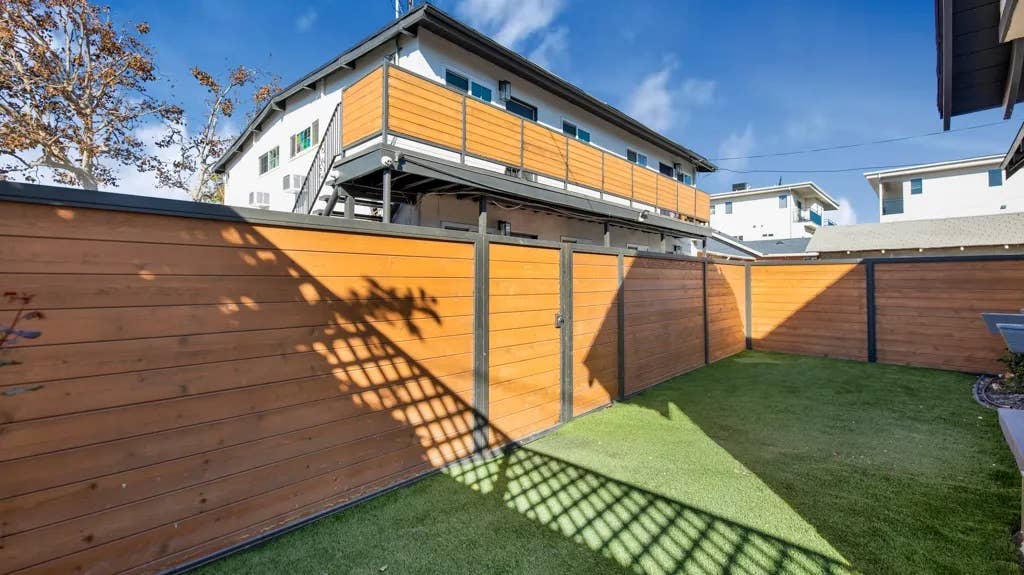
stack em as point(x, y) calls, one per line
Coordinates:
point(559, 320)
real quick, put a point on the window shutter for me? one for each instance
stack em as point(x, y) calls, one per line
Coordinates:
point(316, 132)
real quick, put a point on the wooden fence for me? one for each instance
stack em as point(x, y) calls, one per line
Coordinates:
point(922, 312)
point(207, 376)
point(201, 381)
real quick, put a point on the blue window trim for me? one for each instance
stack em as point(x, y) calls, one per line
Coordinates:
point(456, 80)
point(636, 157)
point(480, 92)
point(995, 178)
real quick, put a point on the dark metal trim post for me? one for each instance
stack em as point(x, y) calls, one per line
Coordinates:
point(385, 213)
point(481, 217)
point(707, 322)
point(621, 301)
point(565, 292)
point(607, 235)
point(350, 207)
point(481, 344)
point(749, 327)
point(869, 276)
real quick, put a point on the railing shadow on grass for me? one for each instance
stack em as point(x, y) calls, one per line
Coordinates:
point(636, 528)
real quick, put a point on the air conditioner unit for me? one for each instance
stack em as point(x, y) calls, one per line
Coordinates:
point(259, 200)
point(520, 173)
point(292, 183)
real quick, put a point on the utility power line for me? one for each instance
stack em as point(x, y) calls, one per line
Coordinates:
point(857, 145)
point(823, 171)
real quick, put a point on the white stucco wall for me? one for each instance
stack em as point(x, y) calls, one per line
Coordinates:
point(300, 110)
point(437, 210)
point(954, 193)
point(757, 218)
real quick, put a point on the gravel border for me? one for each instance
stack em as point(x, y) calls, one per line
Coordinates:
point(987, 397)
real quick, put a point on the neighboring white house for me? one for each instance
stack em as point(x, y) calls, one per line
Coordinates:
point(970, 187)
point(266, 166)
point(774, 212)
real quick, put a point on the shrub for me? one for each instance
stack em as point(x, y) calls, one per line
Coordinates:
point(1015, 367)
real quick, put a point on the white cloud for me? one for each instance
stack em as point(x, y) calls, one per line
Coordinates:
point(552, 50)
point(846, 215)
point(510, 22)
point(737, 145)
point(304, 22)
point(663, 104)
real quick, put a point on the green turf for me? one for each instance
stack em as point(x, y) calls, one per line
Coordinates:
point(761, 463)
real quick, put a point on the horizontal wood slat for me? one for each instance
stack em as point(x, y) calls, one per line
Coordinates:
point(664, 339)
point(198, 381)
point(422, 109)
point(727, 306)
point(524, 347)
point(595, 331)
point(810, 309)
point(362, 108)
point(929, 313)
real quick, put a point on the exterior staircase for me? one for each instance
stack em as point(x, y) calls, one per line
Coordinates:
point(326, 152)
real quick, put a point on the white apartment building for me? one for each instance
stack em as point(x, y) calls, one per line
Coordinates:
point(773, 212)
point(453, 119)
point(970, 187)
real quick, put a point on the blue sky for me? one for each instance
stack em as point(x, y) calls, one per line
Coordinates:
point(723, 78)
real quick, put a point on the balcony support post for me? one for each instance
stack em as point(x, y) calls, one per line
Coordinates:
point(607, 235)
point(386, 197)
point(481, 218)
point(350, 207)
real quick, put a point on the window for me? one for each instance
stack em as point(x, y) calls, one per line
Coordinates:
point(712, 209)
point(728, 207)
point(269, 160)
point(666, 169)
point(685, 178)
point(572, 240)
point(995, 178)
point(916, 186)
point(783, 201)
point(456, 80)
point(638, 247)
point(636, 157)
point(464, 85)
point(305, 139)
point(574, 131)
point(522, 109)
point(259, 198)
point(480, 92)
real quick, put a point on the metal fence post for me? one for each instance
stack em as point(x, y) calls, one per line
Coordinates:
point(481, 344)
point(565, 292)
point(869, 276)
point(748, 314)
point(621, 311)
point(707, 322)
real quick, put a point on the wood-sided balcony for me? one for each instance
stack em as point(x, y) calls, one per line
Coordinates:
point(428, 120)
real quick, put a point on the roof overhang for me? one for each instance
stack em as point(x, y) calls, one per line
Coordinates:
point(1014, 158)
point(807, 188)
point(976, 69)
point(441, 24)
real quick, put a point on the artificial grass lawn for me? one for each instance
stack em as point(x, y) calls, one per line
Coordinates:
point(760, 463)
